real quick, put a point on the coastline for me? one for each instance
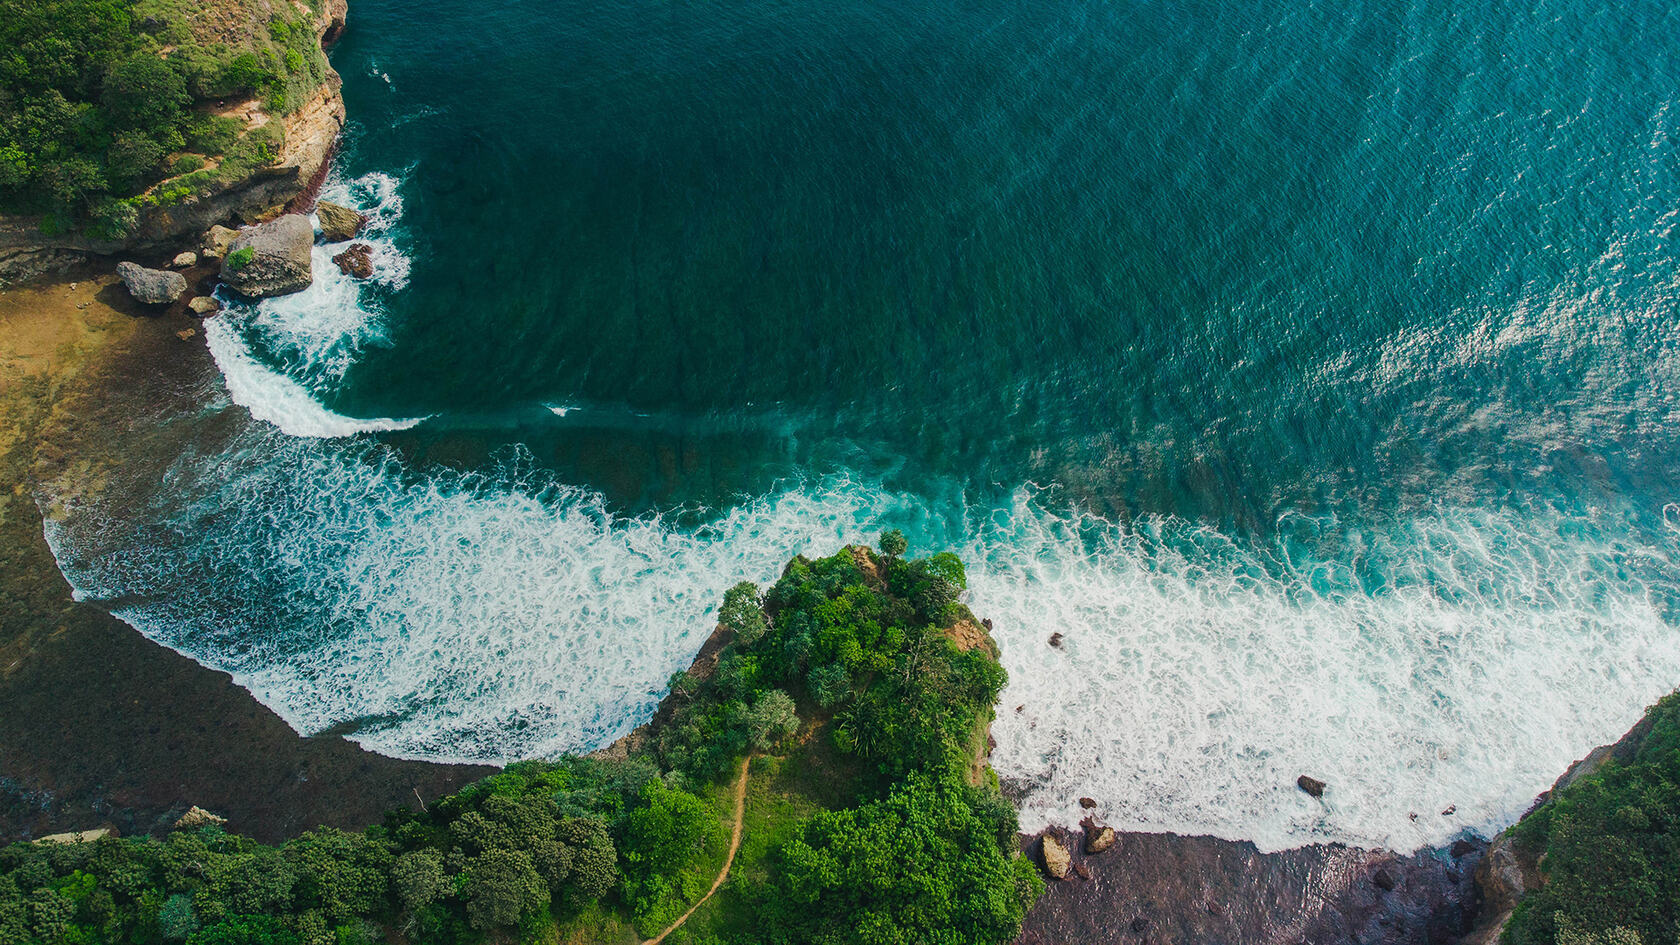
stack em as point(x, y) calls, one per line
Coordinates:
point(1179, 890)
point(98, 725)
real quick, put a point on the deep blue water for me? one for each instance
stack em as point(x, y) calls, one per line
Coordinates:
point(1311, 366)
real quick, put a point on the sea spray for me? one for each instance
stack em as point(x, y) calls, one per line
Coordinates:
point(1452, 658)
point(313, 337)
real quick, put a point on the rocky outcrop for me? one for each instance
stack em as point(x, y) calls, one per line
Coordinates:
point(338, 223)
point(204, 306)
point(1312, 786)
point(1058, 862)
point(151, 286)
point(1098, 839)
point(356, 261)
point(1165, 889)
point(185, 260)
point(216, 241)
point(76, 836)
point(199, 817)
point(21, 258)
point(271, 258)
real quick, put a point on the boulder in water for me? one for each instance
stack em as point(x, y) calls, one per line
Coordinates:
point(1058, 862)
point(1311, 785)
point(271, 258)
point(356, 261)
point(185, 260)
point(204, 305)
point(151, 286)
point(338, 223)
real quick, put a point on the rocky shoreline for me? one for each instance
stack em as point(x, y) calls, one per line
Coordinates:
point(100, 727)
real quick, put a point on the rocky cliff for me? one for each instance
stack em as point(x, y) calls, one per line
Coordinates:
point(1509, 870)
point(308, 136)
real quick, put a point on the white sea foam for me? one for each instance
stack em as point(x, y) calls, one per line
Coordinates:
point(1457, 659)
point(274, 397)
point(1460, 660)
point(317, 334)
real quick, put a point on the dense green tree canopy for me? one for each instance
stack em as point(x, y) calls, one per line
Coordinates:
point(95, 94)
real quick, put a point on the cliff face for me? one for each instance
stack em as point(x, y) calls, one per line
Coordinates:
point(309, 135)
point(1508, 871)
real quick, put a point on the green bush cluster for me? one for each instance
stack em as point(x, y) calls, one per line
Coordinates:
point(515, 851)
point(873, 653)
point(95, 95)
point(861, 643)
point(1609, 848)
point(925, 864)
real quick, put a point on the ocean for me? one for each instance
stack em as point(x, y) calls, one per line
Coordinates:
point(1312, 368)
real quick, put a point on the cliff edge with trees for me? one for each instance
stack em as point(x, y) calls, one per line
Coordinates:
point(134, 124)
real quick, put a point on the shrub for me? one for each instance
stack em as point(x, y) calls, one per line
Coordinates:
point(211, 134)
point(131, 160)
point(771, 718)
point(176, 919)
point(741, 613)
point(501, 885)
point(917, 866)
point(661, 841)
point(112, 219)
point(143, 93)
point(240, 258)
point(419, 879)
point(893, 543)
point(828, 684)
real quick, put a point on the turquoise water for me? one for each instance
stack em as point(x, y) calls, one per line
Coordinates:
point(1311, 367)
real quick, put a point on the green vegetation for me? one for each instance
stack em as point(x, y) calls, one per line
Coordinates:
point(240, 258)
point(856, 686)
point(1610, 850)
point(96, 95)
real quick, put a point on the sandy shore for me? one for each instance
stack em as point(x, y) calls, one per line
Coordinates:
point(99, 726)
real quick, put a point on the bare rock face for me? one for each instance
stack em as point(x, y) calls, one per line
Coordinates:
point(1098, 839)
point(151, 286)
point(217, 241)
point(1058, 862)
point(199, 817)
point(338, 223)
point(271, 258)
point(1165, 889)
point(356, 261)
